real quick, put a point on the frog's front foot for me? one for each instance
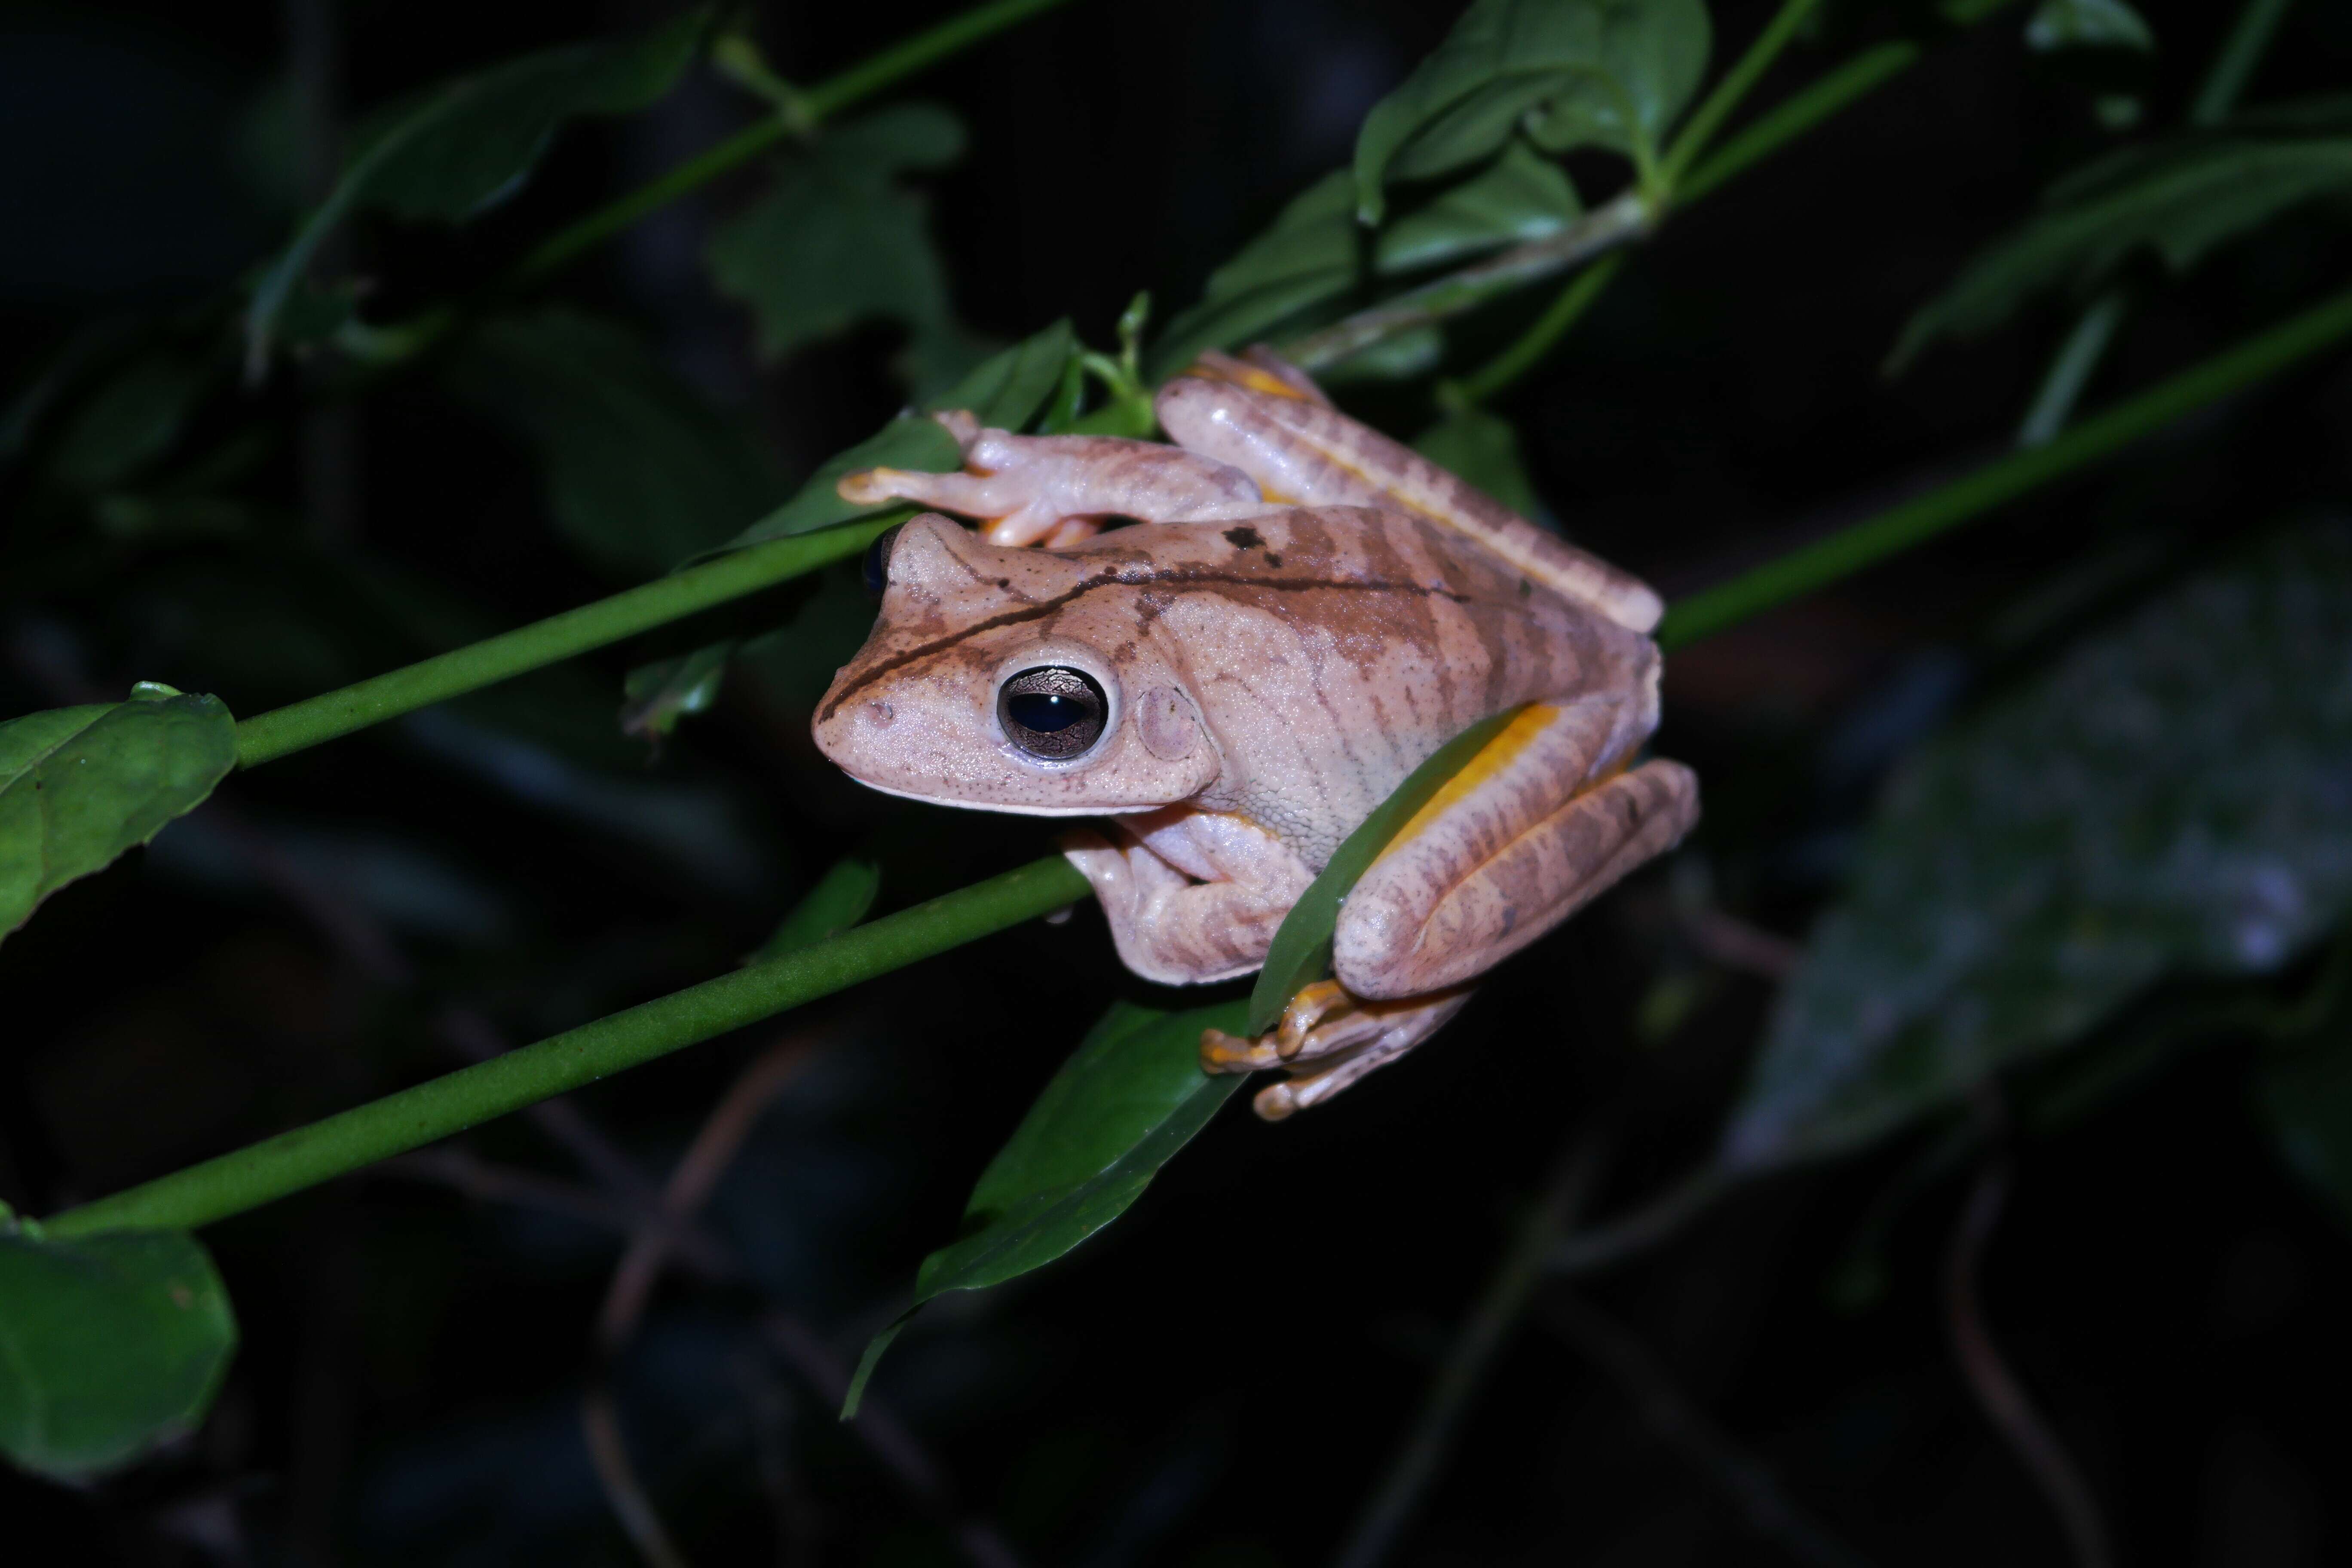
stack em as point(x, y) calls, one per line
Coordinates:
point(1328, 1038)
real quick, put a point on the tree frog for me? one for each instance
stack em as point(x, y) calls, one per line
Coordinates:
point(1297, 613)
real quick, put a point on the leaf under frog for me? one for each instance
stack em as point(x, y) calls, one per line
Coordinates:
point(641, 473)
point(1308, 256)
point(2174, 199)
point(109, 1344)
point(1120, 1108)
point(79, 786)
point(2170, 796)
point(465, 145)
point(1613, 74)
point(838, 238)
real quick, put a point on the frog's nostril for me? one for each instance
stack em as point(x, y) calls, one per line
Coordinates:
point(879, 715)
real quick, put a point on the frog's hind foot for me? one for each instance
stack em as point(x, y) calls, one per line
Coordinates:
point(1326, 1040)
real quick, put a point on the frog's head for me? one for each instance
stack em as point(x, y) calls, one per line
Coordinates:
point(1014, 679)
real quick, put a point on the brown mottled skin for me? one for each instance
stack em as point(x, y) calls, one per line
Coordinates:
point(1273, 671)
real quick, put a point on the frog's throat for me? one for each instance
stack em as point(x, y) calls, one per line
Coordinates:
point(1020, 810)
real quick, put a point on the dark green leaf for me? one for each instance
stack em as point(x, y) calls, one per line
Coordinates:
point(1120, 1108)
point(2169, 797)
point(1308, 256)
point(128, 423)
point(841, 898)
point(78, 786)
point(1575, 73)
point(1521, 195)
point(108, 1345)
point(836, 240)
point(469, 144)
point(1301, 952)
point(641, 473)
point(2088, 23)
point(1483, 448)
point(906, 442)
point(2177, 198)
point(1007, 391)
point(655, 697)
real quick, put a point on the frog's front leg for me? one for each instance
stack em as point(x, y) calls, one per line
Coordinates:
point(1193, 896)
point(1058, 490)
point(1539, 823)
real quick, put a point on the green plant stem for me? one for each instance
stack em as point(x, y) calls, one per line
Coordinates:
point(819, 103)
point(1898, 529)
point(335, 713)
point(1784, 123)
point(306, 1156)
point(2077, 359)
point(1737, 83)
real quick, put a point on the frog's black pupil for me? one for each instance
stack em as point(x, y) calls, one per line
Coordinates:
point(1053, 711)
point(878, 561)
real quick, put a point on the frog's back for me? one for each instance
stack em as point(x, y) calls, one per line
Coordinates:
point(1332, 649)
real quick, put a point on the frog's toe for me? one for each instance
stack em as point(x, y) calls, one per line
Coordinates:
point(1351, 1038)
point(1224, 1053)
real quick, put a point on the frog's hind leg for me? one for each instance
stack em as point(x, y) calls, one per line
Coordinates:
point(1059, 490)
point(1540, 824)
point(1326, 1041)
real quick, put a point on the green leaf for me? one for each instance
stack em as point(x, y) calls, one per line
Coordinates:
point(2088, 23)
point(128, 423)
point(1308, 256)
point(841, 897)
point(836, 240)
point(641, 473)
point(1521, 195)
point(469, 144)
point(1574, 73)
point(2177, 198)
point(1131, 1095)
point(78, 786)
point(1483, 448)
point(1301, 952)
point(2168, 797)
point(108, 1345)
point(655, 697)
point(1007, 391)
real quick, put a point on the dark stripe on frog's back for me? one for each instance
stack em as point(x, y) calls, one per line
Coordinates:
point(1308, 543)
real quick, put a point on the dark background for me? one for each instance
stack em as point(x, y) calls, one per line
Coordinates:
point(1220, 1378)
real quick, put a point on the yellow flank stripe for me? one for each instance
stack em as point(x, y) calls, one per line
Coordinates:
point(1498, 754)
point(1273, 385)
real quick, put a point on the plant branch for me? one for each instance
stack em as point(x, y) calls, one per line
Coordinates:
point(1669, 1414)
point(268, 736)
point(1737, 83)
point(817, 104)
point(1900, 528)
point(253, 1175)
point(1397, 1496)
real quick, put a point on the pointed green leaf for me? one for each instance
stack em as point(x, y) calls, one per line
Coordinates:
point(1309, 255)
point(2168, 797)
point(655, 697)
point(641, 473)
point(1521, 195)
point(1120, 1108)
point(2088, 23)
point(837, 239)
point(2177, 199)
point(1007, 391)
point(467, 144)
point(78, 786)
point(1301, 952)
point(1575, 73)
point(108, 1345)
point(128, 423)
point(841, 897)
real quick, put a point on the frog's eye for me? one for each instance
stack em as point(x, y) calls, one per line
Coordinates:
point(878, 561)
point(1051, 712)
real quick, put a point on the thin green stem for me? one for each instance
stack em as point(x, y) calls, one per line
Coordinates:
point(819, 103)
point(1737, 83)
point(1900, 528)
point(335, 713)
point(306, 1156)
point(2077, 359)
point(2242, 51)
point(1546, 330)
